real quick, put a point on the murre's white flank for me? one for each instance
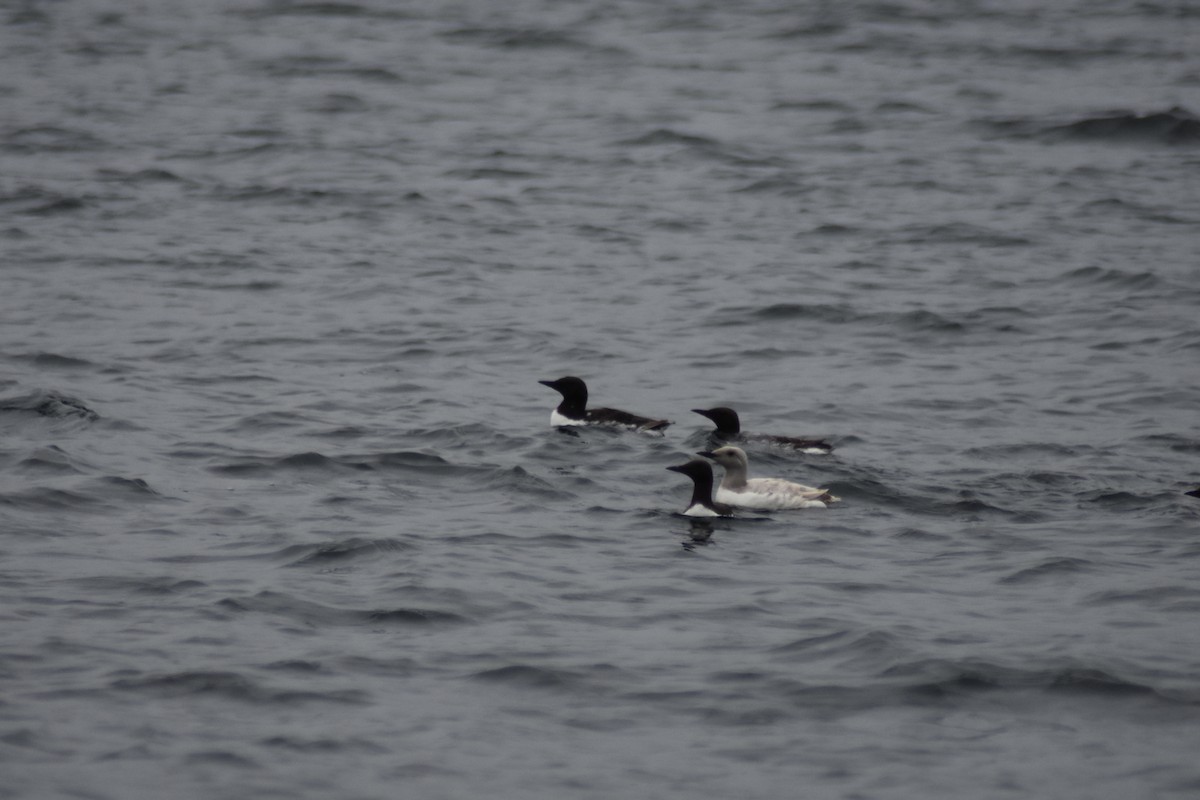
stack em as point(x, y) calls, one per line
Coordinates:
point(729, 429)
point(702, 503)
point(573, 409)
point(772, 494)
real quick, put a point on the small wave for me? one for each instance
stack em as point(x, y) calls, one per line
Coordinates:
point(409, 616)
point(919, 321)
point(666, 136)
point(1052, 568)
point(230, 686)
point(1110, 207)
point(966, 505)
point(95, 494)
point(53, 361)
point(310, 461)
point(49, 404)
point(136, 487)
point(843, 645)
point(1174, 441)
point(781, 185)
point(49, 139)
point(430, 464)
point(296, 665)
point(921, 535)
point(373, 665)
point(52, 499)
point(315, 614)
point(832, 229)
point(1094, 681)
point(819, 312)
point(158, 586)
point(491, 174)
point(901, 107)
point(267, 421)
point(511, 480)
point(322, 67)
point(1175, 126)
point(1167, 599)
point(673, 143)
point(286, 195)
point(1035, 482)
point(1098, 276)
point(149, 175)
point(411, 459)
point(52, 460)
point(518, 38)
point(529, 677)
point(822, 104)
point(224, 515)
point(936, 679)
point(922, 319)
point(323, 745)
point(341, 550)
point(1001, 319)
point(821, 26)
point(963, 233)
point(221, 758)
point(53, 204)
point(1024, 451)
point(332, 8)
point(1121, 500)
point(340, 103)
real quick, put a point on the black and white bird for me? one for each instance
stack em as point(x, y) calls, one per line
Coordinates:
point(773, 494)
point(702, 503)
point(573, 409)
point(729, 429)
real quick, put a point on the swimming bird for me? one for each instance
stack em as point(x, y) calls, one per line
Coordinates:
point(573, 409)
point(702, 504)
point(738, 489)
point(729, 429)
point(1193, 493)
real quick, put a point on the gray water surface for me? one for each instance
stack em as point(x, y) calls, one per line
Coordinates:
point(281, 513)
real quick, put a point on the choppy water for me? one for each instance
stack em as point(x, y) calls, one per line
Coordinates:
point(280, 511)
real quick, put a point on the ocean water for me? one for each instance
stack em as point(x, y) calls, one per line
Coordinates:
point(281, 513)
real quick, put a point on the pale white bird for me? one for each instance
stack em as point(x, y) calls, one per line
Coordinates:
point(770, 494)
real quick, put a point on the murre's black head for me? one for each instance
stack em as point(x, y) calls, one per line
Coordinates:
point(701, 473)
point(574, 393)
point(694, 469)
point(569, 387)
point(726, 419)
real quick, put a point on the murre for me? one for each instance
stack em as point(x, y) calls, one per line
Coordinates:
point(702, 504)
point(573, 409)
point(738, 489)
point(729, 429)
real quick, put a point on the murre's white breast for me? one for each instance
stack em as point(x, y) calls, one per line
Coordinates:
point(557, 420)
point(700, 510)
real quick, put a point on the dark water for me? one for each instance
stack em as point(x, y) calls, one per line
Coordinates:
point(280, 511)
